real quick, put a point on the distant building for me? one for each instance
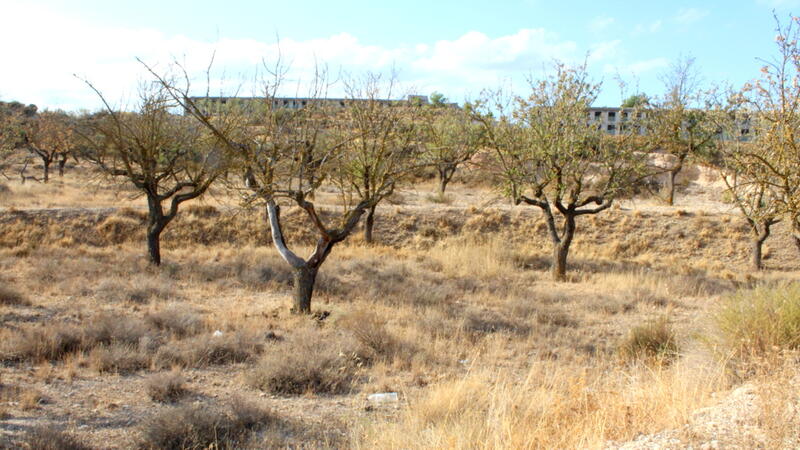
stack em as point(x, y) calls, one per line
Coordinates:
point(210, 104)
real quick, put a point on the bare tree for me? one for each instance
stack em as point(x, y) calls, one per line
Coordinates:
point(49, 136)
point(451, 139)
point(13, 119)
point(550, 155)
point(384, 145)
point(167, 157)
point(286, 152)
point(679, 123)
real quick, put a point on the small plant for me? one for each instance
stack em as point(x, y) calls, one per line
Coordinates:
point(308, 361)
point(207, 350)
point(168, 387)
point(203, 426)
point(653, 341)
point(176, 320)
point(759, 321)
point(51, 438)
point(10, 297)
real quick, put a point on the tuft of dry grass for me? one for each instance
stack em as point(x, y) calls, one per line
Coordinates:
point(178, 320)
point(48, 437)
point(653, 341)
point(208, 350)
point(11, 297)
point(203, 426)
point(166, 387)
point(310, 360)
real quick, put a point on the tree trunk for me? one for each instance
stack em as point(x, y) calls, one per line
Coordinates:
point(758, 242)
point(673, 173)
point(304, 279)
point(46, 174)
point(61, 163)
point(369, 224)
point(561, 246)
point(154, 243)
point(559, 268)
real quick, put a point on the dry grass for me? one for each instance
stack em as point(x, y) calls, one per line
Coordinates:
point(167, 387)
point(554, 406)
point(653, 341)
point(204, 426)
point(51, 438)
point(10, 297)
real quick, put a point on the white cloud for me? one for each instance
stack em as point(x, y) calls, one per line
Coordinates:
point(44, 61)
point(687, 16)
point(652, 27)
point(600, 23)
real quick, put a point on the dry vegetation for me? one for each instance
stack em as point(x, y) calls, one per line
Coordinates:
point(453, 309)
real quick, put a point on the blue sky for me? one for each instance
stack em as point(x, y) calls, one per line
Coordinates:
point(456, 48)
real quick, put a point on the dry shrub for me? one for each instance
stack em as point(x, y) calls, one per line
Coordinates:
point(108, 328)
point(202, 211)
point(30, 399)
point(208, 350)
point(653, 341)
point(10, 297)
point(204, 426)
point(118, 358)
point(371, 332)
point(166, 387)
point(310, 360)
point(139, 290)
point(178, 320)
point(5, 191)
point(44, 342)
point(119, 229)
point(479, 323)
point(49, 437)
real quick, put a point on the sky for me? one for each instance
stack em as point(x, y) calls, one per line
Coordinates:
point(49, 48)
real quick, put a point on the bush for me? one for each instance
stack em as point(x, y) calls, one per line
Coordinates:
point(754, 322)
point(654, 341)
point(118, 358)
point(10, 297)
point(52, 342)
point(310, 360)
point(177, 320)
point(203, 426)
point(167, 387)
point(51, 438)
point(206, 350)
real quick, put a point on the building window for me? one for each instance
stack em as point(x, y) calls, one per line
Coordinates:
point(597, 115)
point(612, 116)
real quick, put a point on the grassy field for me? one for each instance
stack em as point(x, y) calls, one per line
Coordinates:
point(453, 309)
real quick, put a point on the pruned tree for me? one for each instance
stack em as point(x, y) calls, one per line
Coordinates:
point(286, 154)
point(50, 137)
point(679, 123)
point(13, 119)
point(167, 157)
point(751, 186)
point(551, 156)
point(774, 99)
point(451, 139)
point(384, 144)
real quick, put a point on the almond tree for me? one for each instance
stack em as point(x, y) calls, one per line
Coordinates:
point(551, 156)
point(286, 154)
point(774, 99)
point(383, 146)
point(167, 157)
point(678, 123)
point(750, 184)
point(451, 139)
point(49, 136)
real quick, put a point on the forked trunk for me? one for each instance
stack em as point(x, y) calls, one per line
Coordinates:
point(304, 279)
point(369, 224)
